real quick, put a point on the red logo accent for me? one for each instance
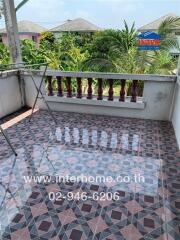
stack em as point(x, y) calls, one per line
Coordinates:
point(149, 42)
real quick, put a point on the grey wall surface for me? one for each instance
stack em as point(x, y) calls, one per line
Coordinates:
point(10, 95)
point(176, 112)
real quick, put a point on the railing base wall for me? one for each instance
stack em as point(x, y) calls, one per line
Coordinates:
point(156, 105)
point(117, 109)
point(93, 102)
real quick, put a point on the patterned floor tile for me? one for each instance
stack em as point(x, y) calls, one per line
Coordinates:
point(140, 156)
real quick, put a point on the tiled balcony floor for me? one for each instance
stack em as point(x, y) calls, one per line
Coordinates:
point(92, 146)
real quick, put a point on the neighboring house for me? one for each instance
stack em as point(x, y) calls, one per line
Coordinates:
point(153, 27)
point(78, 25)
point(27, 30)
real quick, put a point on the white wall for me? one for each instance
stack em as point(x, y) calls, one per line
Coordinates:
point(10, 96)
point(31, 92)
point(176, 112)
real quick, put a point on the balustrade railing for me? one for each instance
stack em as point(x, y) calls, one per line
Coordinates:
point(98, 83)
point(100, 86)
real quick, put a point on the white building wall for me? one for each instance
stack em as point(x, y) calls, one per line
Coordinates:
point(176, 112)
point(10, 95)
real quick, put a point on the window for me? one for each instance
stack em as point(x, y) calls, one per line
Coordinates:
point(34, 38)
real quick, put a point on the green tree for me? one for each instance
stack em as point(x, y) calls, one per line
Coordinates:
point(4, 56)
point(30, 53)
point(21, 4)
point(163, 63)
point(47, 40)
point(167, 32)
point(108, 46)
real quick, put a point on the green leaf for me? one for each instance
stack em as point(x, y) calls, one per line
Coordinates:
point(21, 4)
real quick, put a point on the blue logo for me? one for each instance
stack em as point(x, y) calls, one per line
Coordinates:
point(149, 41)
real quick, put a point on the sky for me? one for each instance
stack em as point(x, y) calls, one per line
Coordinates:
point(103, 13)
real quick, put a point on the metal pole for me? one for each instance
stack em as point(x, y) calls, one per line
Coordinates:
point(13, 40)
point(12, 30)
point(7, 140)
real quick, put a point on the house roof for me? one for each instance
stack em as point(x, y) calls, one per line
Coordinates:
point(155, 24)
point(76, 25)
point(27, 27)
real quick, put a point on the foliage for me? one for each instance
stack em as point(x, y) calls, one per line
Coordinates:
point(105, 51)
point(162, 63)
point(63, 54)
point(21, 4)
point(108, 47)
point(166, 29)
point(132, 62)
point(82, 40)
point(113, 42)
point(66, 42)
point(4, 55)
point(78, 40)
point(30, 53)
point(116, 51)
point(47, 40)
point(77, 59)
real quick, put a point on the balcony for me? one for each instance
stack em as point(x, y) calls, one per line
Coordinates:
point(132, 140)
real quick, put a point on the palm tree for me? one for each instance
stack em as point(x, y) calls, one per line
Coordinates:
point(126, 40)
point(166, 31)
point(108, 46)
point(21, 4)
point(162, 63)
point(117, 50)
